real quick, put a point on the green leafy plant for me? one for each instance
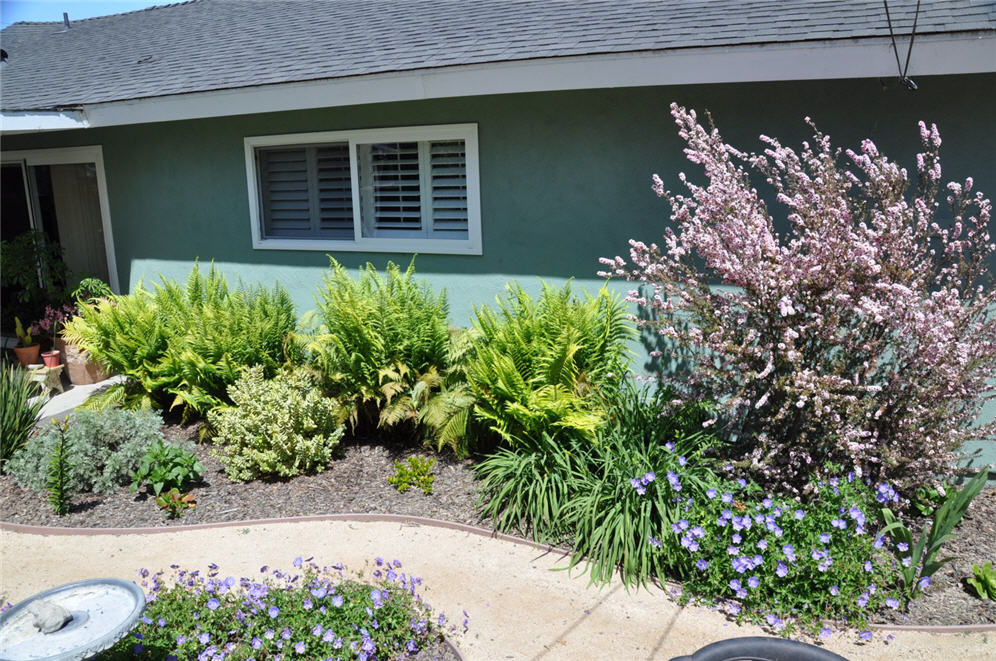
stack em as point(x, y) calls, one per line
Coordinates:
point(166, 466)
point(538, 365)
point(105, 446)
point(32, 267)
point(416, 474)
point(781, 563)
point(983, 581)
point(182, 346)
point(918, 562)
point(928, 497)
point(281, 426)
point(305, 613)
point(57, 481)
point(386, 353)
point(175, 503)
point(19, 409)
point(89, 290)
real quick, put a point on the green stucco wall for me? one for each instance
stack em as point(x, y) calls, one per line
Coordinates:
point(565, 176)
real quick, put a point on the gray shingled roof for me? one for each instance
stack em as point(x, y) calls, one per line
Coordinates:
point(218, 44)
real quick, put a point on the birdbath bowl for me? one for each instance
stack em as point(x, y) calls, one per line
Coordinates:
point(81, 619)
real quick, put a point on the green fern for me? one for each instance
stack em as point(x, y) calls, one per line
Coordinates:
point(183, 345)
point(538, 363)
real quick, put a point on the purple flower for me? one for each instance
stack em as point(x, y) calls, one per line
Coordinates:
point(702, 564)
point(924, 582)
point(669, 446)
point(839, 523)
point(742, 482)
point(727, 498)
point(892, 602)
point(834, 590)
point(825, 537)
point(826, 632)
point(862, 600)
point(298, 561)
point(789, 552)
point(865, 635)
point(299, 647)
point(711, 493)
point(682, 461)
point(735, 584)
point(762, 544)
point(273, 611)
point(799, 515)
point(879, 542)
point(317, 630)
point(204, 637)
point(868, 566)
point(698, 532)
point(903, 546)
point(337, 600)
point(654, 542)
point(213, 604)
point(648, 478)
point(736, 538)
point(256, 643)
point(781, 570)
point(753, 582)
point(672, 478)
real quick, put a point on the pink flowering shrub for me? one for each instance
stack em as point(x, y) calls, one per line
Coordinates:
point(864, 335)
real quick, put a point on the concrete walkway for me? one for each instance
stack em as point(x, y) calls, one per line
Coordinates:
point(519, 608)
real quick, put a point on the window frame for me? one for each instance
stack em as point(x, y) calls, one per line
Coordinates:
point(466, 132)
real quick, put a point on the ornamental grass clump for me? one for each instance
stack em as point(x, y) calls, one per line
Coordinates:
point(311, 613)
point(864, 334)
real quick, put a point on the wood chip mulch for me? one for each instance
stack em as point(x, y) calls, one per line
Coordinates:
point(356, 482)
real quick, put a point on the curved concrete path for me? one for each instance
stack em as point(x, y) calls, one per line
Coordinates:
point(519, 608)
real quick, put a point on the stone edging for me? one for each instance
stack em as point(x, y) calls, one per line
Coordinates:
point(419, 520)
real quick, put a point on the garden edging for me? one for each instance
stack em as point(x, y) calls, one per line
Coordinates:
point(422, 521)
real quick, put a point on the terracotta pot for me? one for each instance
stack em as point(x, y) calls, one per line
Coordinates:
point(28, 355)
point(80, 369)
point(51, 358)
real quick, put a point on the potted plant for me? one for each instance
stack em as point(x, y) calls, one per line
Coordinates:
point(27, 348)
point(79, 367)
point(51, 358)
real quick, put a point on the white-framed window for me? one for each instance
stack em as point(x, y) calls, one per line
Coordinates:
point(413, 189)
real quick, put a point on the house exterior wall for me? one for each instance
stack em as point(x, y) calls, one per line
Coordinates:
point(565, 176)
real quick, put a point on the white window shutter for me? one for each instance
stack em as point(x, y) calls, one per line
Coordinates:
point(396, 195)
point(335, 197)
point(283, 176)
point(448, 176)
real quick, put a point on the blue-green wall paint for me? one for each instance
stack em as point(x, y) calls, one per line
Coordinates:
point(565, 176)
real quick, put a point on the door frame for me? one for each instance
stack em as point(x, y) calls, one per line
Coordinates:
point(74, 156)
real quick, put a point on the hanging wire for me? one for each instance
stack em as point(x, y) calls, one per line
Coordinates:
point(903, 70)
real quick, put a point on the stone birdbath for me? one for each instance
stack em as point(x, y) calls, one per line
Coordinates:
point(70, 622)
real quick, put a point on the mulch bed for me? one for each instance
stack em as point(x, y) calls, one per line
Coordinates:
point(357, 483)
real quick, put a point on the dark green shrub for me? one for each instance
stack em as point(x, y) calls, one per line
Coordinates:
point(183, 345)
point(105, 448)
point(538, 366)
point(279, 426)
point(18, 412)
point(386, 354)
point(166, 466)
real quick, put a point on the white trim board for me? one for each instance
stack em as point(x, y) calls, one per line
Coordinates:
point(68, 156)
point(34, 121)
point(818, 60)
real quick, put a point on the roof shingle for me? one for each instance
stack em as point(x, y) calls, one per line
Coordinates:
point(205, 45)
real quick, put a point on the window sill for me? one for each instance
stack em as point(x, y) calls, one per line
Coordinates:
point(420, 246)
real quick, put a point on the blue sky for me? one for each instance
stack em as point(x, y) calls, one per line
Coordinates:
point(12, 11)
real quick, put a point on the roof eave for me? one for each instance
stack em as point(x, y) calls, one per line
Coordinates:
point(37, 121)
point(933, 54)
